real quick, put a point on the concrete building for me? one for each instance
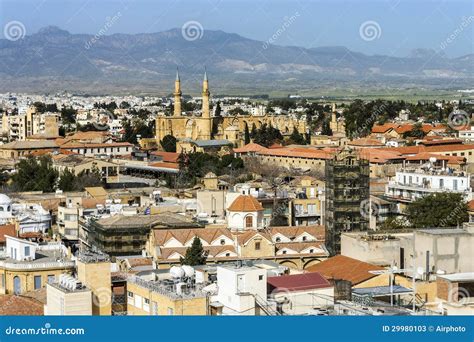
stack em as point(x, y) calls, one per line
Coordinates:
point(93, 271)
point(347, 192)
point(455, 293)
point(67, 296)
point(409, 185)
point(27, 266)
point(300, 294)
point(242, 290)
point(173, 293)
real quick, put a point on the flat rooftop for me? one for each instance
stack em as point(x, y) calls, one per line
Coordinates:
point(459, 277)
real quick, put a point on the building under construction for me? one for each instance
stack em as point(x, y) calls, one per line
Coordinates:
point(347, 196)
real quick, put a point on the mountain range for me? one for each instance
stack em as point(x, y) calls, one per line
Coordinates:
point(54, 59)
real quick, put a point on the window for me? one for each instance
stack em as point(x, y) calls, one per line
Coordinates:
point(311, 250)
point(257, 246)
point(304, 238)
point(277, 239)
point(154, 308)
point(248, 221)
point(130, 298)
point(37, 282)
point(227, 254)
point(51, 278)
point(27, 250)
point(170, 311)
point(260, 277)
point(284, 252)
point(222, 242)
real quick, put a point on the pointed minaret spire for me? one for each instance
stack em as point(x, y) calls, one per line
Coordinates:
point(177, 95)
point(205, 96)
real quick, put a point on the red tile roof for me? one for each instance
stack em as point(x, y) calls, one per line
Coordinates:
point(296, 153)
point(342, 267)
point(13, 305)
point(252, 147)
point(297, 282)
point(168, 157)
point(7, 229)
point(245, 203)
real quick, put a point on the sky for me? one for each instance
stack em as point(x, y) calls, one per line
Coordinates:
point(388, 27)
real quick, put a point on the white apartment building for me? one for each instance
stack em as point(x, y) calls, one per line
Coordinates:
point(411, 184)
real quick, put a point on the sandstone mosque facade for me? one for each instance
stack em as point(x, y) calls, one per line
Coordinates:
point(204, 126)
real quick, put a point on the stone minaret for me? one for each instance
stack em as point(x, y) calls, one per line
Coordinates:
point(205, 97)
point(177, 95)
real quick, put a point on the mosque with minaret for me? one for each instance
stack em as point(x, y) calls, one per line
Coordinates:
point(204, 126)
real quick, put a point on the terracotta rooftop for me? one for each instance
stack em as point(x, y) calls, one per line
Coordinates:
point(251, 147)
point(13, 305)
point(6, 229)
point(245, 203)
point(297, 153)
point(342, 267)
point(162, 236)
point(297, 282)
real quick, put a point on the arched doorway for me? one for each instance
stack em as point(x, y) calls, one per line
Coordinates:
point(16, 285)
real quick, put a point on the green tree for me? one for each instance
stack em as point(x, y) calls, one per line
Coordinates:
point(168, 143)
point(326, 128)
point(246, 134)
point(67, 181)
point(297, 138)
point(443, 209)
point(35, 175)
point(195, 255)
point(218, 111)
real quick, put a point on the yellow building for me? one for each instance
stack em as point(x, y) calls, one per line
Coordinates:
point(93, 270)
point(206, 127)
point(149, 297)
point(29, 266)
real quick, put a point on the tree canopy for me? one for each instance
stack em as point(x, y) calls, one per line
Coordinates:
point(195, 255)
point(443, 209)
point(35, 174)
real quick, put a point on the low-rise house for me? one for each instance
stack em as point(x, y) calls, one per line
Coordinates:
point(299, 294)
point(455, 293)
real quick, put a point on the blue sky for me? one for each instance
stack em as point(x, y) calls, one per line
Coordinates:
point(404, 24)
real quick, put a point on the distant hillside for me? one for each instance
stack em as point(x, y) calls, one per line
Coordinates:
point(54, 59)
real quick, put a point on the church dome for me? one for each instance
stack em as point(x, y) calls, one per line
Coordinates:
point(245, 203)
point(5, 200)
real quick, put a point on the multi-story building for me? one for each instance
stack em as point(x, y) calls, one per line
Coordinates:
point(413, 183)
point(67, 296)
point(126, 235)
point(30, 124)
point(172, 294)
point(27, 266)
point(347, 191)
